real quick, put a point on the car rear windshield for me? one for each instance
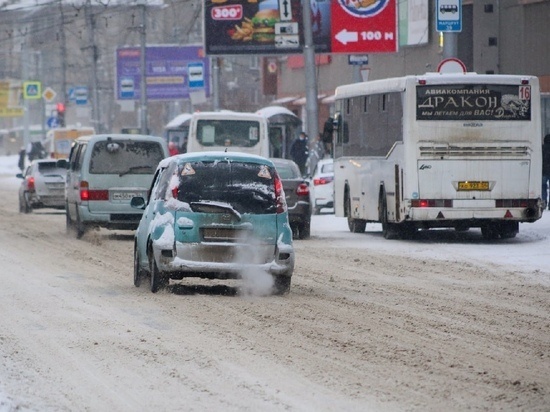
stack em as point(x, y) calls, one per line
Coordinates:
point(247, 187)
point(242, 133)
point(288, 171)
point(49, 167)
point(125, 157)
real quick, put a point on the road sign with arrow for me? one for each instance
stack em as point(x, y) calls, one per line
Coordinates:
point(364, 26)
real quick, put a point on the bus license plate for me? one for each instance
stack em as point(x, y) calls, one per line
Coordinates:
point(473, 185)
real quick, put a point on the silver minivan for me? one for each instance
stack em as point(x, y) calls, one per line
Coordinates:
point(104, 173)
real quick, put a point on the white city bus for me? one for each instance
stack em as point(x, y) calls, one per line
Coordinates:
point(439, 150)
point(231, 131)
point(177, 131)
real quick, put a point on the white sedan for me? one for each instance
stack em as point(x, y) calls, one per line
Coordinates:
point(322, 186)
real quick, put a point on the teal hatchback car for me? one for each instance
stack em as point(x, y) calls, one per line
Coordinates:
point(214, 215)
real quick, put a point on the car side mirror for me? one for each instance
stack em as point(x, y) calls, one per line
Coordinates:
point(20, 175)
point(137, 202)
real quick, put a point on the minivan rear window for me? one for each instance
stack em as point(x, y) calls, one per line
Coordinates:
point(125, 157)
point(247, 187)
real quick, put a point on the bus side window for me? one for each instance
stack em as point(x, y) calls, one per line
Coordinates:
point(345, 132)
point(341, 128)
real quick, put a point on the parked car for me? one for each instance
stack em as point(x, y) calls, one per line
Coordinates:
point(214, 215)
point(322, 186)
point(297, 197)
point(104, 173)
point(43, 186)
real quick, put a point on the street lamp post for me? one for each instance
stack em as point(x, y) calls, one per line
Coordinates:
point(143, 83)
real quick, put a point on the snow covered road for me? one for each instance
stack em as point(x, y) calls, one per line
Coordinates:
point(440, 323)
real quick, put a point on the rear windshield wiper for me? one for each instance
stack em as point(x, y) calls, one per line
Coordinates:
point(133, 168)
point(214, 207)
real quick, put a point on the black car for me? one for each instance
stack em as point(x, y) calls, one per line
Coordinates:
point(297, 197)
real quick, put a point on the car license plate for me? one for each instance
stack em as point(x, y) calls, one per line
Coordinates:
point(125, 195)
point(473, 185)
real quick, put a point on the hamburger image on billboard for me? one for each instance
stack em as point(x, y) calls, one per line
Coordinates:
point(263, 24)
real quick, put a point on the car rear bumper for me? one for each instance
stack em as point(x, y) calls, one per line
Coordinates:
point(324, 203)
point(56, 202)
point(225, 261)
point(300, 212)
point(121, 221)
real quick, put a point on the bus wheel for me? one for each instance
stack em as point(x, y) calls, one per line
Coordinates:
point(407, 231)
point(354, 225)
point(508, 230)
point(389, 230)
point(489, 231)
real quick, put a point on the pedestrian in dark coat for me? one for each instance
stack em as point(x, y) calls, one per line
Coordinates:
point(546, 169)
point(299, 152)
point(21, 163)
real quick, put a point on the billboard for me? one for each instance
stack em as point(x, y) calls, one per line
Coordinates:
point(276, 26)
point(413, 22)
point(172, 72)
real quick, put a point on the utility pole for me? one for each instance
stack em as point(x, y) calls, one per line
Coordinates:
point(215, 63)
point(26, 108)
point(90, 19)
point(143, 65)
point(450, 43)
point(63, 41)
point(312, 109)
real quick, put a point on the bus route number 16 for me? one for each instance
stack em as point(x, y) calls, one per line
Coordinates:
point(525, 92)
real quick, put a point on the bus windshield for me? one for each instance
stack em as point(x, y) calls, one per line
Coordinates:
point(240, 133)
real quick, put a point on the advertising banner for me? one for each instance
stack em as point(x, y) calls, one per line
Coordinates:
point(264, 26)
point(172, 72)
point(276, 26)
point(473, 102)
point(413, 22)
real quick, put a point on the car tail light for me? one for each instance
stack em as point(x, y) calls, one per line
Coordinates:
point(84, 192)
point(87, 194)
point(30, 183)
point(302, 189)
point(279, 194)
point(322, 181)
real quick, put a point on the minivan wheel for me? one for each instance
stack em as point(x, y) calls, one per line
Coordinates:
point(79, 226)
point(281, 284)
point(158, 280)
point(68, 221)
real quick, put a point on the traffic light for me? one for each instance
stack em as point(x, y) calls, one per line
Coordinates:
point(61, 114)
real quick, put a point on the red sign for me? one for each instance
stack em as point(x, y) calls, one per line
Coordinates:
point(364, 26)
point(276, 26)
point(451, 65)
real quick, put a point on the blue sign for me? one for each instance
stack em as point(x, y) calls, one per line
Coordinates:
point(358, 59)
point(81, 95)
point(167, 70)
point(449, 15)
point(195, 74)
point(127, 88)
point(52, 122)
